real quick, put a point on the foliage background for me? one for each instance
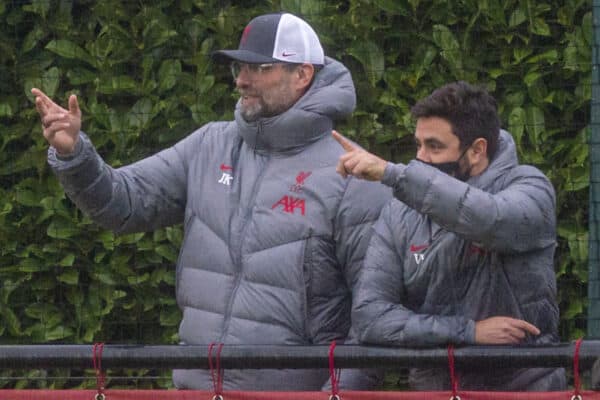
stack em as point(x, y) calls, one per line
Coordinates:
point(145, 79)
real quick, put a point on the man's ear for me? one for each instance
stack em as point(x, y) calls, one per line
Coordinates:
point(305, 74)
point(478, 151)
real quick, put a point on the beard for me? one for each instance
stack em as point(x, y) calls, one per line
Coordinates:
point(269, 103)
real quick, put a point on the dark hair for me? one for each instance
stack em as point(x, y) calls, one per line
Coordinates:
point(470, 110)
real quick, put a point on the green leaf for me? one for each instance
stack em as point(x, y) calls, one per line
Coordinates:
point(50, 81)
point(167, 252)
point(571, 58)
point(532, 77)
point(116, 84)
point(521, 53)
point(79, 76)
point(175, 235)
point(70, 277)
point(141, 113)
point(495, 73)
point(40, 7)
point(168, 74)
point(137, 280)
point(205, 84)
point(28, 198)
point(540, 27)
point(68, 49)
point(587, 28)
point(6, 110)
point(516, 123)
point(107, 238)
point(155, 34)
point(10, 320)
point(105, 277)
point(74, 296)
point(170, 317)
point(535, 124)
point(32, 39)
point(393, 7)
point(67, 260)
point(574, 309)
point(550, 56)
point(57, 333)
point(517, 18)
point(450, 48)
point(41, 311)
point(371, 57)
point(60, 229)
point(131, 238)
point(30, 265)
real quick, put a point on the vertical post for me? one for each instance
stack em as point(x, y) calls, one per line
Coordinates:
point(593, 324)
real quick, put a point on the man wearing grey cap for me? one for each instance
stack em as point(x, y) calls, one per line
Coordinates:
point(274, 238)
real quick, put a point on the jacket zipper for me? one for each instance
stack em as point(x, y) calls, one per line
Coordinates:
point(246, 218)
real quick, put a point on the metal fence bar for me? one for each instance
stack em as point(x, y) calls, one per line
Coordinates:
point(593, 317)
point(259, 356)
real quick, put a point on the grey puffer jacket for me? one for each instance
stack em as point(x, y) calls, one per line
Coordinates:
point(448, 253)
point(274, 238)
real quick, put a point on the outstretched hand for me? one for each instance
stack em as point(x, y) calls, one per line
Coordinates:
point(60, 126)
point(503, 330)
point(358, 162)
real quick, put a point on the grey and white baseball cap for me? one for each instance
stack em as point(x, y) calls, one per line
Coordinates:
point(280, 37)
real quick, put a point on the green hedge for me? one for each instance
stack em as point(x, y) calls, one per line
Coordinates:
point(145, 79)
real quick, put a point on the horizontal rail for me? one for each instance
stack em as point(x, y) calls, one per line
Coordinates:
point(265, 356)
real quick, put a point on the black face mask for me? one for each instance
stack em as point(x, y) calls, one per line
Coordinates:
point(452, 168)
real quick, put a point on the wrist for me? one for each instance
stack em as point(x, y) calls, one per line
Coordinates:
point(68, 154)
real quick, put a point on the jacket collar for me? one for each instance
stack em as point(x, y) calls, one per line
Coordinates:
point(331, 96)
point(504, 160)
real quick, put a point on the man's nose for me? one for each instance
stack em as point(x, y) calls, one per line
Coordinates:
point(423, 154)
point(243, 77)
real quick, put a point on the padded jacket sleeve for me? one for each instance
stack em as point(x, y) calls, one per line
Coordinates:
point(519, 218)
point(142, 196)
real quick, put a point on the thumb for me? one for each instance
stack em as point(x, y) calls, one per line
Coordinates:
point(74, 106)
point(345, 143)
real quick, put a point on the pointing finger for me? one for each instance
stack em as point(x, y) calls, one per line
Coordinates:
point(43, 103)
point(40, 107)
point(41, 96)
point(346, 145)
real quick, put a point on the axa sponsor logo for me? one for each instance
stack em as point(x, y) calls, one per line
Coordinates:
point(226, 175)
point(417, 249)
point(291, 204)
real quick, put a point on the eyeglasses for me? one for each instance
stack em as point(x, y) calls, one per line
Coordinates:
point(257, 69)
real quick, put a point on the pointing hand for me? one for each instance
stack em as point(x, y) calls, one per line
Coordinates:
point(60, 126)
point(358, 162)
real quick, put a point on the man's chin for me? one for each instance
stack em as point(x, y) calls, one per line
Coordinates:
point(249, 115)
